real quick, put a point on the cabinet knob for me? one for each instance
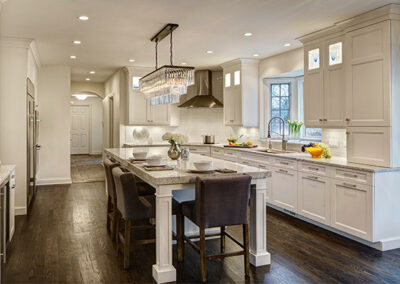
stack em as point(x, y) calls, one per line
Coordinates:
point(321, 120)
point(348, 119)
point(326, 120)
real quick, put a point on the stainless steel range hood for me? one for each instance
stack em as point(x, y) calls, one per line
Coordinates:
point(203, 97)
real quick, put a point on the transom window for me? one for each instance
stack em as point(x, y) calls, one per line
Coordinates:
point(280, 106)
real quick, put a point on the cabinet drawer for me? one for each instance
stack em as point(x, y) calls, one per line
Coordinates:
point(285, 163)
point(199, 150)
point(314, 169)
point(231, 155)
point(256, 159)
point(284, 189)
point(353, 176)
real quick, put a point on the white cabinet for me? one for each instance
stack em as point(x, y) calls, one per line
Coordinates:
point(284, 189)
point(324, 88)
point(241, 92)
point(202, 150)
point(368, 75)
point(314, 197)
point(351, 208)
point(369, 145)
point(12, 205)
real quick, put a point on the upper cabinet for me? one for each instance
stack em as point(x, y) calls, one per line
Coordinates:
point(140, 111)
point(241, 92)
point(324, 90)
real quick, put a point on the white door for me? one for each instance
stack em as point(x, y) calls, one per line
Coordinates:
point(284, 189)
point(79, 130)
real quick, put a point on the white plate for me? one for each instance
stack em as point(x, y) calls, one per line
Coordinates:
point(160, 165)
point(196, 171)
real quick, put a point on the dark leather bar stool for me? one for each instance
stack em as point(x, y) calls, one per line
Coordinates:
point(133, 207)
point(143, 189)
point(220, 202)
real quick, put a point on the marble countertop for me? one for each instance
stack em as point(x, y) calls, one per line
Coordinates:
point(180, 174)
point(5, 172)
point(163, 144)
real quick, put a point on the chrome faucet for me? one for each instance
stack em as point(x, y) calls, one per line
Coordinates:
point(284, 141)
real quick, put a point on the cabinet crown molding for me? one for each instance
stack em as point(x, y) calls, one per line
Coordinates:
point(239, 61)
point(15, 42)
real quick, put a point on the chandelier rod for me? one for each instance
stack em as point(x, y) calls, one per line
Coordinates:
point(170, 49)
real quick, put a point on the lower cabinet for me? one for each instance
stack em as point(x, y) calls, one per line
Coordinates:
point(314, 197)
point(351, 209)
point(284, 189)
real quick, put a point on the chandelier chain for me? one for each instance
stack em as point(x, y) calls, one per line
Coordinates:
point(156, 54)
point(170, 49)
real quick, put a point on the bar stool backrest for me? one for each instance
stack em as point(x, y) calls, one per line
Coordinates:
point(108, 166)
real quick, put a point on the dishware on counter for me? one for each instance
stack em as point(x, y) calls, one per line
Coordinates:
point(208, 139)
point(174, 151)
point(139, 155)
point(154, 160)
point(185, 153)
point(204, 165)
point(315, 152)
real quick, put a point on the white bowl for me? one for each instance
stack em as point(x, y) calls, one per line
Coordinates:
point(154, 160)
point(203, 165)
point(140, 155)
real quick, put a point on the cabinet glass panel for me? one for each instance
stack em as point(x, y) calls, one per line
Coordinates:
point(335, 53)
point(313, 59)
point(237, 78)
point(227, 80)
point(135, 82)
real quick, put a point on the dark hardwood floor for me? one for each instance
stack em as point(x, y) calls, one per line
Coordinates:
point(65, 240)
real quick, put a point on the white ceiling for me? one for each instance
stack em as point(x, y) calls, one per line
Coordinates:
point(120, 29)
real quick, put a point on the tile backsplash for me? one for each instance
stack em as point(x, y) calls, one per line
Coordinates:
point(336, 139)
point(197, 122)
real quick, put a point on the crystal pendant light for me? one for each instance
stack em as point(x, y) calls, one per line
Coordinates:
point(166, 84)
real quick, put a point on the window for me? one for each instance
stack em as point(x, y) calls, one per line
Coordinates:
point(335, 53)
point(135, 82)
point(280, 106)
point(313, 59)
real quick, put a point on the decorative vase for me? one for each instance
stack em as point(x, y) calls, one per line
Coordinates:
point(174, 151)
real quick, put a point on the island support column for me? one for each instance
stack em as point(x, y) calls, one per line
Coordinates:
point(259, 255)
point(163, 270)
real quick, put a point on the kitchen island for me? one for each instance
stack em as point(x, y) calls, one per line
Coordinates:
point(180, 178)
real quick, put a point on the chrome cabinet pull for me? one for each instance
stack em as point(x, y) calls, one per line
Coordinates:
point(350, 175)
point(284, 163)
point(311, 177)
point(349, 185)
point(313, 168)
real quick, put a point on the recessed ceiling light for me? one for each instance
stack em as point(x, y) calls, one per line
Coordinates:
point(83, 18)
point(287, 44)
point(131, 60)
point(92, 72)
point(209, 51)
point(77, 42)
point(183, 63)
point(256, 55)
point(247, 34)
point(72, 57)
point(87, 79)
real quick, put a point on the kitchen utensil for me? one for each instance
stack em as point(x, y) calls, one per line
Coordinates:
point(316, 152)
point(203, 165)
point(208, 139)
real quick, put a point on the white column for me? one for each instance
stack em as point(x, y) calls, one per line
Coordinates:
point(163, 270)
point(258, 223)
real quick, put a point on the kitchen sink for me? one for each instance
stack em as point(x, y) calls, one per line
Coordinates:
point(276, 151)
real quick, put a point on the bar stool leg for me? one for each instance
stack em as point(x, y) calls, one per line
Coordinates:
point(222, 240)
point(180, 224)
point(246, 238)
point(114, 221)
point(127, 242)
point(117, 230)
point(203, 255)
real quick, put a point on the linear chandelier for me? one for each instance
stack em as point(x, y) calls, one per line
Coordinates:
point(166, 84)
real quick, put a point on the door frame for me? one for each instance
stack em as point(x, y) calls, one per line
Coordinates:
point(89, 129)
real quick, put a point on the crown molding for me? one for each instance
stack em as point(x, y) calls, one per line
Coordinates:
point(15, 42)
point(35, 53)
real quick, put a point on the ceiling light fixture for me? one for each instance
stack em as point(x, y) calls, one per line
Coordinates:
point(92, 72)
point(256, 55)
point(247, 34)
point(83, 18)
point(183, 63)
point(131, 60)
point(166, 84)
point(287, 44)
point(77, 42)
point(72, 57)
point(87, 79)
point(209, 51)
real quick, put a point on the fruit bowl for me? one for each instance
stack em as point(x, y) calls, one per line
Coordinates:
point(316, 152)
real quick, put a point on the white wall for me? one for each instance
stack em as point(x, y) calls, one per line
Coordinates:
point(13, 137)
point(54, 96)
point(96, 122)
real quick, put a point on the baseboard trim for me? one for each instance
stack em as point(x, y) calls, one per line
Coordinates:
point(20, 211)
point(53, 181)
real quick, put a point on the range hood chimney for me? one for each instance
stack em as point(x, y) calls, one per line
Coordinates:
point(203, 97)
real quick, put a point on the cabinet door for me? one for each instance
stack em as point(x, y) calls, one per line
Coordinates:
point(233, 106)
point(137, 111)
point(335, 87)
point(369, 145)
point(351, 208)
point(313, 86)
point(368, 76)
point(159, 114)
point(314, 199)
point(284, 189)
